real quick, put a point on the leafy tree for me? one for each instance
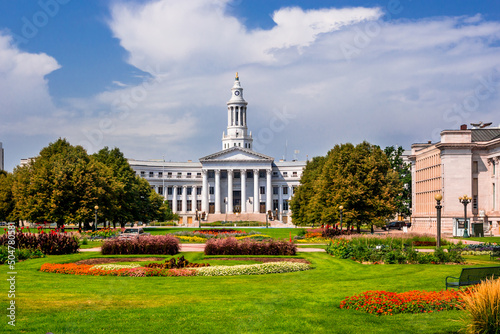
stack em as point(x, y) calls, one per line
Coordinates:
point(62, 185)
point(359, 178)
point(302, 211)
point(6, 199)
point(403, 199)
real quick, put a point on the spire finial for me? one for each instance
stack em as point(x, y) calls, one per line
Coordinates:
point(237, 78)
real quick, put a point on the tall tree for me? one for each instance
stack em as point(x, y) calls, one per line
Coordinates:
point(302, 211)
point(403, 199)
point(62, 185)
point(6, 199)
point(359, 178)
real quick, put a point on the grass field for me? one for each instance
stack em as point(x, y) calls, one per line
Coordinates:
point(301, 302)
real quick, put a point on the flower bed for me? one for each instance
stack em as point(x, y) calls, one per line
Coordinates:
point(149, 244)
point(388, 251)
point(85, 269)
point(136, 271)
point(53, 243)
point(253, 269)
point(389, 303)
point(231, 246)
point(217, 231)
point(195, 239)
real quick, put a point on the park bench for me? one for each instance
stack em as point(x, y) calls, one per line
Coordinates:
point(471, 276)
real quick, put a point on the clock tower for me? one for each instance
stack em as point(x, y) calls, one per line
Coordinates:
point(237, 132)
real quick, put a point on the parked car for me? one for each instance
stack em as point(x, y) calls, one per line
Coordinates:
point(132, 232)
point(398, 225)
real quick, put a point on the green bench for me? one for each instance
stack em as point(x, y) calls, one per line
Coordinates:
point(471, 276)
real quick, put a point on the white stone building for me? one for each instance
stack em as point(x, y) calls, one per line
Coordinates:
point(464, 162)
point(233, 184)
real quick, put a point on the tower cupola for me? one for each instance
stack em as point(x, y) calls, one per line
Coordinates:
point(237, 132)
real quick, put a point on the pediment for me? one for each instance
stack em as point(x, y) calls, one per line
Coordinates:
point(236, 154)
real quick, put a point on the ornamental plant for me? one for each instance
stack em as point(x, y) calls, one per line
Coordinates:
point(482, 306)
point(53, 243)
point(231, 246)
point(148, 244)
point(390, 303)
point(99, 270)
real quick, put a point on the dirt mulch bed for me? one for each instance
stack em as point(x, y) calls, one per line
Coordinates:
point(104, 260)
point(260, 259)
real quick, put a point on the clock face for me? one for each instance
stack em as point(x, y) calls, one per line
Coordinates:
point(237, 93)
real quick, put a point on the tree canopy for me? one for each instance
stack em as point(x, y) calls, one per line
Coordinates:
point(64, 185)
point(403, 199)
point(359, 178)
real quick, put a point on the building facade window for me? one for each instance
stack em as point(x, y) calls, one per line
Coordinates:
point(179, 205)
point(198, 205)
point(189, 205)
point(262, 190)
point(170, 190)
point(188, 175)
point(211, 190)
point(151, 174)
point(285, 190)
point(198, 191)
point(276, 190)
point(160, 174)
point(170, 204)
point(275, 204)
point(189, 190)
point(160, 190)
point(179, 175)
point(143, 174)
point(169, 175)
point(249, 175)
point(285, 205)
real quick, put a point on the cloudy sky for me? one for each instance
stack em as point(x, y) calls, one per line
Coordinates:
point(153, 77)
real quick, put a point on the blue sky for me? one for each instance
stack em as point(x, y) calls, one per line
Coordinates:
point(152, 77)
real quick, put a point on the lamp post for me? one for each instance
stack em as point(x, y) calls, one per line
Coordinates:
point(94, 228)
point(438, 198)
point(465, 200)
point(198, 217)
point(341, 208)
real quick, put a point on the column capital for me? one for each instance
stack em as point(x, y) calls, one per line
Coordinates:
point(269, 171)
point(176, 186)
point(184, 186)
point(217, 171)
point(496, 159)
point(243, 170)
point(230, 172)
point(204, 171)
point(256, 171)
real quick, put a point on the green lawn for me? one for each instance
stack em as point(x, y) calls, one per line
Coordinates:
point(301, 302)
point(276, 233)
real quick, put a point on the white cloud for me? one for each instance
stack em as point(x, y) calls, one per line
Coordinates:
point(397, 83)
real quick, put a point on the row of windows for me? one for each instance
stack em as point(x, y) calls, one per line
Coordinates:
point(211, 174)
point(171, 175)
point(189, 205)
point(247, 145)
point(189, 190)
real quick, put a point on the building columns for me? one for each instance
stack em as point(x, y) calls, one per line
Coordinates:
point(194, 197)
point(184, 199)
point(280, 202)
point(269, 190)
point(217, 191)
point(243, 177)
point(230, 191)
point(174, 200)
point(256, 193)
point(204, 191)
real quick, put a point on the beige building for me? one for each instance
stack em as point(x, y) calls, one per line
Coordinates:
point(464, 162)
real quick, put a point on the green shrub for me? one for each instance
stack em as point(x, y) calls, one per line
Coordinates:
point(19, 254)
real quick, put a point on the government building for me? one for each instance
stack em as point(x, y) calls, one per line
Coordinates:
point(464, 162)
point(233, 184)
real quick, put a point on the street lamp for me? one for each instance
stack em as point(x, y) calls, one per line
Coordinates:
point(465, 200)
point(341, 208)
point(94, 228)
point(438, 198)
point(198, 217)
